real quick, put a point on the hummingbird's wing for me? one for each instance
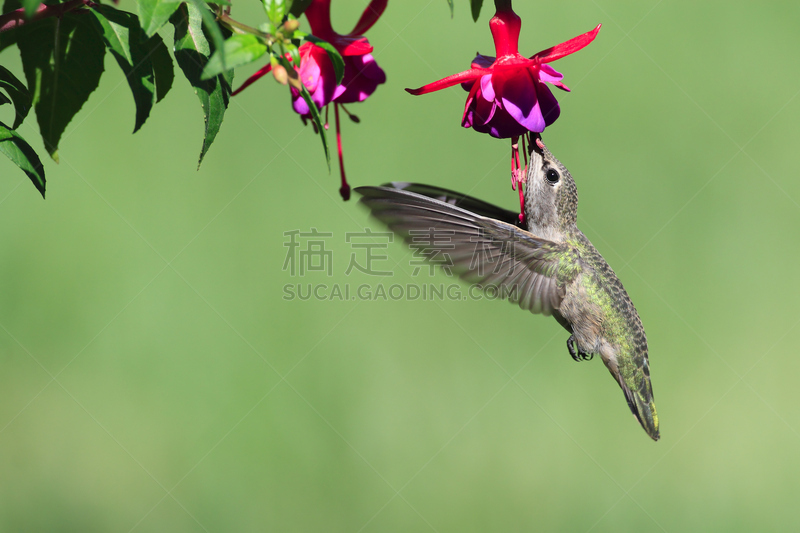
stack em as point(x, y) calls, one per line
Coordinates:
point(464, 201)
point(481, 250)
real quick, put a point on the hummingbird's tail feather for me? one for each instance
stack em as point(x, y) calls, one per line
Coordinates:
point(643, 407)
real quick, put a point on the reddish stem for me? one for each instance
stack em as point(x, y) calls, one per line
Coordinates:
point(16, 18)
point(516, 176)
point(525, 153)
point(513, 174)
point(344, 190)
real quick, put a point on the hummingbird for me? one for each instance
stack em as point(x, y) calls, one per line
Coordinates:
point(540, 260)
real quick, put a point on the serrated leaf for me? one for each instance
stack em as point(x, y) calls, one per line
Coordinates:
point(155, 13)
point(210, 24)
point(476, 9)
point(450, 3)
point(275, 9)
point(125, 40)
point(192, 51)
point(162, 66)
point(239, 49)
point(30, 7)
point(18, 93)
point(333, 54)
point(21, 154)
point(62, 58)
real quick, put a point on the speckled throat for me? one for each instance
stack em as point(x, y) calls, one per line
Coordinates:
point(548, 217)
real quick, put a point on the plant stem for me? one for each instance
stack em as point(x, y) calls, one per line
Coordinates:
point(236, 25)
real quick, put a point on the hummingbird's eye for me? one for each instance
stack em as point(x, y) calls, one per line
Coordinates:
point(552, 176)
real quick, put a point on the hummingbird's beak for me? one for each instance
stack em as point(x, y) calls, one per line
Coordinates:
point(538, 145)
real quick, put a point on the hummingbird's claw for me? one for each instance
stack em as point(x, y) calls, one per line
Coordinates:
point(571, 347)
point(576, 353)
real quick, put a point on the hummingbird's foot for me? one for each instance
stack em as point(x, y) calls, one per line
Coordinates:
point(576, 353)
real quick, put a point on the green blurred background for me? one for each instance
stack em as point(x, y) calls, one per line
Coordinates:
point(154, 378)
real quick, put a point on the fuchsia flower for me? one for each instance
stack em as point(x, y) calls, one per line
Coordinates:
point(362, 75)
point(508, 96)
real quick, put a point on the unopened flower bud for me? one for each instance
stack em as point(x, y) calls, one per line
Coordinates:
point(291, 25)
point(280, 74)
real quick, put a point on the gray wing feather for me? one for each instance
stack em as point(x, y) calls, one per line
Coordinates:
point(481, 250)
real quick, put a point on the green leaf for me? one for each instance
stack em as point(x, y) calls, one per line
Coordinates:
point(450, 3)
point(294, 53)
point(18, 93)
point(275, 9)
point(63, 59)
point(210, 24)
point(476, 9)
point(239, 49)
point(336, 58)
point(162, 66)
point(299, 6)
point(125, 39)
point(155, 13)
point(192, 51)
point(312, 108)
point(30, 7)
point(21, 154)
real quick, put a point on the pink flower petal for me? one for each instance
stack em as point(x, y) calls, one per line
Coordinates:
point(547, 103)
point(298, 103)
point(362, 75)
point(348, 46)
point(310, 70)
point(486, 88)
point(482, 61)
point(549, 74)
point(518, 94)
point(449, 81)
point(466, 118)
point(566, 48)
point(372, 71)
point(485, 110)
point(370, 16)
